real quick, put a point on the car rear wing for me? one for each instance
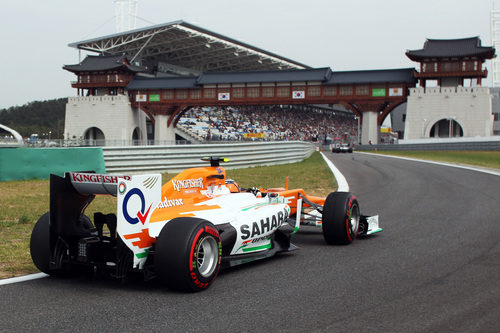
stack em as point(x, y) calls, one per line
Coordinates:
point(70, 196)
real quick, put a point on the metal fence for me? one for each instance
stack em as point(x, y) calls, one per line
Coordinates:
point(174, 158)
point(479, 145)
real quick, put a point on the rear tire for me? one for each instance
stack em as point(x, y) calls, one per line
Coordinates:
point(188, 254)
point(40, 243)
point(41, 252)
point(341, 218)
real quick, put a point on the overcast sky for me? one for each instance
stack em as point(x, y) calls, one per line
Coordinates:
point(341, 34)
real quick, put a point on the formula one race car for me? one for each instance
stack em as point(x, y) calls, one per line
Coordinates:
point(342, 148)
point(184, 231)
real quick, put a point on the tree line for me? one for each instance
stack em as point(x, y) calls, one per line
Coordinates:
point(45, 118)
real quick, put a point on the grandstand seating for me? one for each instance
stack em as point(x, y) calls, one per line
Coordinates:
point(267, 124)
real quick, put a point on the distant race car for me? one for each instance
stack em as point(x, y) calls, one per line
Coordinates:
point(184, 231)
point(342, 148)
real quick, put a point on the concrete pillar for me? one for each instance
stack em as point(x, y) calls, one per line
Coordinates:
point(370, 129)
point(164, 135)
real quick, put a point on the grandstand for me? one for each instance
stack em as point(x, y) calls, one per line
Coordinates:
point(173, 67)
point(176, 49)
point(264, 123)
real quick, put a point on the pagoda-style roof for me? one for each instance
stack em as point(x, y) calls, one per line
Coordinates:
point(452, 48)
point(324, 75)
point(103, 63)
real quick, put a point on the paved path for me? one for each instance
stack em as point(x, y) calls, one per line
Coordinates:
point(434, 268)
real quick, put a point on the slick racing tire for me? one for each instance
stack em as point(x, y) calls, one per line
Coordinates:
point(188, 254)
point(341, 218)
point(40, 243)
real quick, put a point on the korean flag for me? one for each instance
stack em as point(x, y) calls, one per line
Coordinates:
point(300, 94)
point(224, 96)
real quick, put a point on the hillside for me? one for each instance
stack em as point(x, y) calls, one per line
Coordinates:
point(36, 117)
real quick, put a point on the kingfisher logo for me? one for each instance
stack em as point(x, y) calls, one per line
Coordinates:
point(141, 214)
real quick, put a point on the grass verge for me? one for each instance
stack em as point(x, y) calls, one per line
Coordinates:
point(23, 202)
point(487, 159)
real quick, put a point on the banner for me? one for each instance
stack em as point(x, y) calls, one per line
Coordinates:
point(300, 94)
point(154, 97)
point(141, 98)
point(378, 92)
point(254, 135)
point(224, 96)
point(396, 92)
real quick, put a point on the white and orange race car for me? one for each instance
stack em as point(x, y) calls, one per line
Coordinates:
point(184, 231)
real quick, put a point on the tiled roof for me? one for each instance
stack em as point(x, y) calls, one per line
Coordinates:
point(102, 63)
point(452, 48)
point(318, 74)
point(373, 76)
point(324, 75)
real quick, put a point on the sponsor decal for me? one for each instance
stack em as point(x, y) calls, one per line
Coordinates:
point(167, 203)
point(141, 215)
point(244, 245)
point(395, 91)
point(150, 182)
point(254, 135)
point(187, 184)
point(122, 188)
point(96, 178)
point(378, 92)
point(154, 97)
point(212, 231)
point(194, 255)
point(263, 226)
point(299, 94)
point(143, 240)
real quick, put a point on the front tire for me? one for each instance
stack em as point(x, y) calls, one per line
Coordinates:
point(341, 218)
point(188, 254)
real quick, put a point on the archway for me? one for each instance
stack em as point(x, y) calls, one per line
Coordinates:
point(446, 128)
point(93, 136)
point(136, 137)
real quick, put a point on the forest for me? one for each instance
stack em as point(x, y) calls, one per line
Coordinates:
point(45, 118)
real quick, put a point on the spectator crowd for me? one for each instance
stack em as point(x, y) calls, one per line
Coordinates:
point(269, 123)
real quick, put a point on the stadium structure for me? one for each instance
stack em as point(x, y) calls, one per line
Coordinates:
point(456, 105)
point(102, 109)
point(136, 86)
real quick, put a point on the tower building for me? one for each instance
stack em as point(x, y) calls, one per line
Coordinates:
point(450, 101)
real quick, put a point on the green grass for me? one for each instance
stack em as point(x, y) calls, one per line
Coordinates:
point(487, 159)
point(23, 202)
point(312, 175)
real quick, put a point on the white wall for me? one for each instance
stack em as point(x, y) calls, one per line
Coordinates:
point(113, 115)
point(470, 107)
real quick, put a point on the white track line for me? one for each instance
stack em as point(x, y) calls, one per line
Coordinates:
point(22, 278)
point(491, 172)
point(341, 181)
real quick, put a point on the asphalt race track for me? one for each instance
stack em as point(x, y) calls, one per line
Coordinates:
point(434, 268)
